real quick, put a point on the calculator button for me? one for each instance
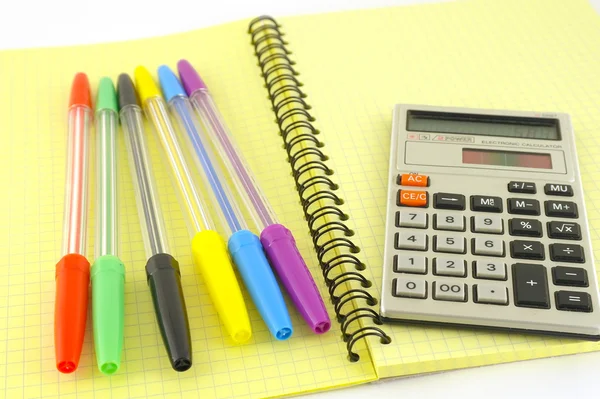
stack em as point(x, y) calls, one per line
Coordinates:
point(574, 301)
point(523, 187)
point(449, 221)
point(571, 276)
point(487, 224)
point(488, 246)
point(567, 253)
point(491, 293)
point(523, 206)
point(527, 250)
point(449, 201)
point(480, 203)
point(450, 266)
point(449, 243)
point(449, 291)
point(566, 209)
point(412, 198)
point(558, 189)
point(490, 269)
point(564, 230)
point(530, 285)
point(412, 179)
point(416, 219)
point(416, 264)
point(413, 240)
point(525, 227)
point(409, 287)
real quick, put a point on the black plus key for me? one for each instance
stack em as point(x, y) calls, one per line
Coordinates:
point(530, 285)
point(523, 206)
point(481, 203)
point(567, 253)
point(565, 209)
point(449, 201)
point(527, 250)
point(571, 276)
point(558, 189)
point(522, 187)
point(525, 227)
point(574, 301)
point(564, 230)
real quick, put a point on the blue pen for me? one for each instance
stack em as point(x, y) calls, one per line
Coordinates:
point(244, 246)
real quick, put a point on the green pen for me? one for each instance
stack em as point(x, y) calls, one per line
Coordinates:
point(108, 272)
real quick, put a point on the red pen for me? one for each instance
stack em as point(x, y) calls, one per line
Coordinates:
point(73, 269)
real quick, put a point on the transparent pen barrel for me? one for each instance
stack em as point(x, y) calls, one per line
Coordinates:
point(153, 228)
point(76, 196)
point(197, 149)
point(190, 199)
point(106, 183)
point(245, 184)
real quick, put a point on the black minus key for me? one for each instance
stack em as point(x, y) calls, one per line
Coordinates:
point(573, 301)
point(567, 253)
point(570, 276)
point(530, 286)
point(521, 187)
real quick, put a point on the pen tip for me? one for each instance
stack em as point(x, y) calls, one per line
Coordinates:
point(189, 77)
point(80, 91)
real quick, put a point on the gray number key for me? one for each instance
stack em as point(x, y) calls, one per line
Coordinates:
point(449, 221)
point(487, 224)
point(449, 291)
point(490, 269)
point(449, 243)
point(415, 219)
point(409, 287)
point(410, 264)
point(493, 293)
point(488, 246)
point(450, 266)
point(413, 240)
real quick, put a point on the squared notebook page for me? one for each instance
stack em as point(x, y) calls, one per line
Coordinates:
point(34, 91)
point(525, 55)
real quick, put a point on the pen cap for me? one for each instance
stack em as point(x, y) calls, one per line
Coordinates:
point(164, 280)
point(280, 246)
point(249, 257)
point(80, 91)
point(108, 311)
point(107, 96)
point(189, 77)
point(70, 313)
point(126, 90)
point(169, 83)
point(210, 256)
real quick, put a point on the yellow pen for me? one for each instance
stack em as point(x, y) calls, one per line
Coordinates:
point(208, 248)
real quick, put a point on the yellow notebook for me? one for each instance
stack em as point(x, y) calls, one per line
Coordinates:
point(353, 67)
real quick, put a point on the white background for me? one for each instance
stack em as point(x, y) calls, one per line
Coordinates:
point(41, 23)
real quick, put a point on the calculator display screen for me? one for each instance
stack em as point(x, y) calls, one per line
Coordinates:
point(507, 158)
point(483, 125)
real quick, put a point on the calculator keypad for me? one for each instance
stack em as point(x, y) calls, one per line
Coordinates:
point(498, 251)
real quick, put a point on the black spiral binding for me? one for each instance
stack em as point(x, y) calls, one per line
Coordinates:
point(315, 186)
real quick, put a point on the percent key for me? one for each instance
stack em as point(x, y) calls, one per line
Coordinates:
point(525, 227)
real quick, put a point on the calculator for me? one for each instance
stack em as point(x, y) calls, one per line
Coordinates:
point(486, 224)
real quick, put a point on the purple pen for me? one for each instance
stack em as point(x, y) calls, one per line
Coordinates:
point(277, 240)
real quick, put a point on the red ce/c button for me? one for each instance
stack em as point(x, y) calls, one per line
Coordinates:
point(412, 198)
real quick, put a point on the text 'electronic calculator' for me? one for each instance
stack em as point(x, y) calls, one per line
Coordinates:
point(486, 224)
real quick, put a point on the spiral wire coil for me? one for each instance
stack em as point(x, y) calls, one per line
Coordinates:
point(335, 251)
